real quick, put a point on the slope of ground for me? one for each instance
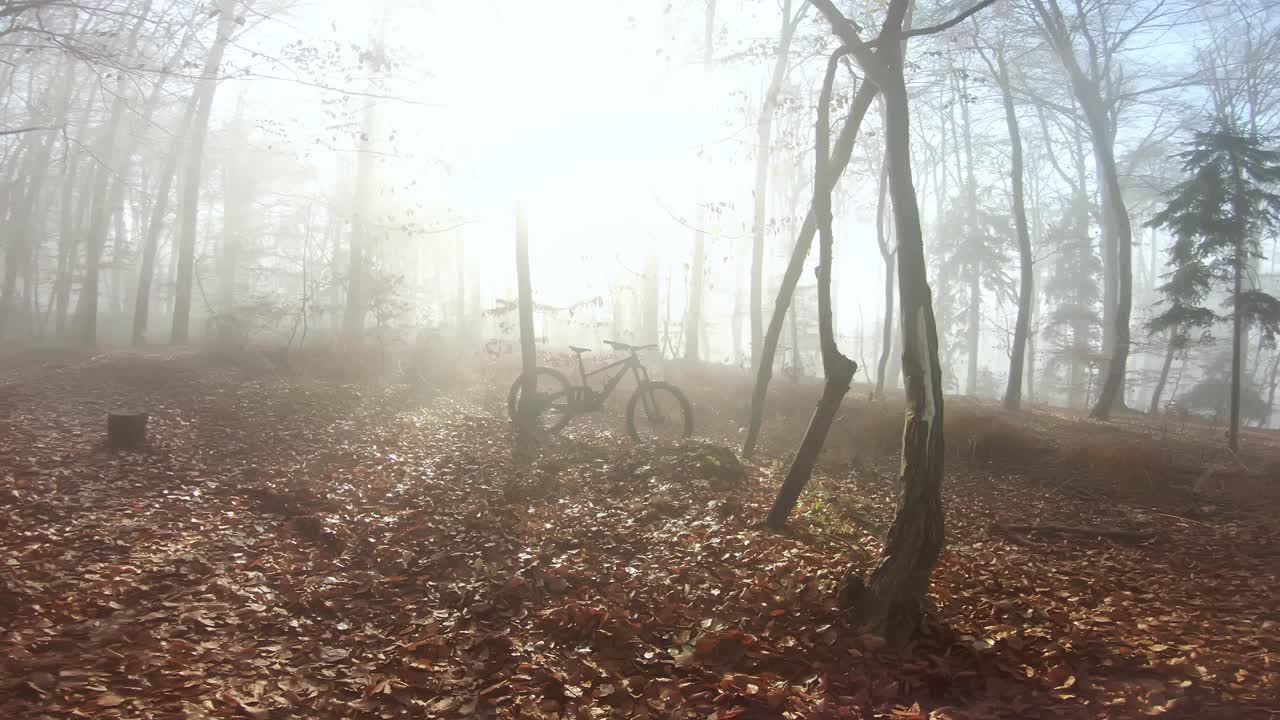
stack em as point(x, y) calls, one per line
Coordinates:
point(291, 547)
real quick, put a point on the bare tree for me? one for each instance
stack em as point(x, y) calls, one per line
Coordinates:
point(526, 411)
point(997, 61)
point(764, 143)
point(1089, 44)
point(890, 599)
point(840, 156)
point(103, 194)
point(698, 266)
point(888, 255)
point(358, 295)
point(837, 369)
point(189, 207)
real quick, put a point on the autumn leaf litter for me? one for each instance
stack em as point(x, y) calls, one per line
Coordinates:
point(296, 548)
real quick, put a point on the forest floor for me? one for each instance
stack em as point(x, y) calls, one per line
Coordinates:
point(295, 547)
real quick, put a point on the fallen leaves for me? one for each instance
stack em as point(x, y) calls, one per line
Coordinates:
point(303, 550)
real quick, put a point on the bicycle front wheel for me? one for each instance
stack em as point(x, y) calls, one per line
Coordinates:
point(554, 412)
point(547, 382)
point(659, 411)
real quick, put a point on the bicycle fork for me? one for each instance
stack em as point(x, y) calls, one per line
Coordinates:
point(647, 398)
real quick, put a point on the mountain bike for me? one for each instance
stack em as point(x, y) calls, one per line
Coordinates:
point(656, 410)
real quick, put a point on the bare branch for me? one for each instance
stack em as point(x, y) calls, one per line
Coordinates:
point(19, 131)
point(940, 27)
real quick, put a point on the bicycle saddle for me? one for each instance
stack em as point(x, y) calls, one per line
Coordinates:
point(579, 350)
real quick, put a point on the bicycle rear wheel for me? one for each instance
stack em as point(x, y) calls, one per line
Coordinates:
point(659, 411)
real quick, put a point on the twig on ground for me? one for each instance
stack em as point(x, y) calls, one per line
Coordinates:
point(1134, 536)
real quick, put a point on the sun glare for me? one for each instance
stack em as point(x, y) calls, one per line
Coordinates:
point(592, 136)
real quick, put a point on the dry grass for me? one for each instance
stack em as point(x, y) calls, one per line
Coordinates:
point(1129, 464)
point(1130, 456)
point(983, 432)
point(1134, 456)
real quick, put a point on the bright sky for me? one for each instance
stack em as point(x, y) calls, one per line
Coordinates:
point(572, 108)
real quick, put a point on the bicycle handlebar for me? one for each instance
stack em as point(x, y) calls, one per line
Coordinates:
point(624, 346)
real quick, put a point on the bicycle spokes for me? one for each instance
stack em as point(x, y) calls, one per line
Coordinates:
point(652, 407)
point(659, 411)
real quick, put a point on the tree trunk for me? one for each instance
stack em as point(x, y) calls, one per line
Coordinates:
point(943, 279)
point(1117, 231)
point(797, 367)
point(1026, 290)
point(650, 313)
point(1030, 377)
point(1117, 227)
point(25, 240)
point(155, 227)
point(460, 285)
point(1037, 309)
point(898, 583)
point(889, 258)
point(837, 368)
point(19, 199)
point(890, 600)
point(1237, 327)
point(99, 214)
point(764, 368)
point(205, 90)
point(1272, 381)
point(697, 266)
point(697, 270)
point(108, 192)
point(236, 187)
point(120, 252)
point(973, 325)
point(525, 413)
point(764, 139)
point(1164, 375)
point(67, 240)
point(357, 264)
point(887, 344)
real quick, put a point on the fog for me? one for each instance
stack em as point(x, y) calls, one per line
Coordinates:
point(650, 359)
point(350, 174)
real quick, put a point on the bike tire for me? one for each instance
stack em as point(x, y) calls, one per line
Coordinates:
point(555, 414)
point(633, 407)
point(513, 395)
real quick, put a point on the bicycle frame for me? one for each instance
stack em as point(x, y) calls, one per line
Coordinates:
point(591, 400)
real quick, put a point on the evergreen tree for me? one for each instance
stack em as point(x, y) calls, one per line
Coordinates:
point(1210, 396)
point(978, 258)
point(1219, 216)
point(1072, 287)
point(1186, 285)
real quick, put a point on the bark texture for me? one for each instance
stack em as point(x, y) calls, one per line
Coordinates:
point(890, 600)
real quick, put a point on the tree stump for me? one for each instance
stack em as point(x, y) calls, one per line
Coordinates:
point(126, 430)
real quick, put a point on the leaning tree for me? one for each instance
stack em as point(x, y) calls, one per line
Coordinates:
point(890, 599)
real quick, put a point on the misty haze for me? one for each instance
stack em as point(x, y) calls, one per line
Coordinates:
point(798, 359)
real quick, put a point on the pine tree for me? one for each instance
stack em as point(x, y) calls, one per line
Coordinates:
point(1186, 285)
point(1220, 214)
point(1072, 287)
point(978, 257)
